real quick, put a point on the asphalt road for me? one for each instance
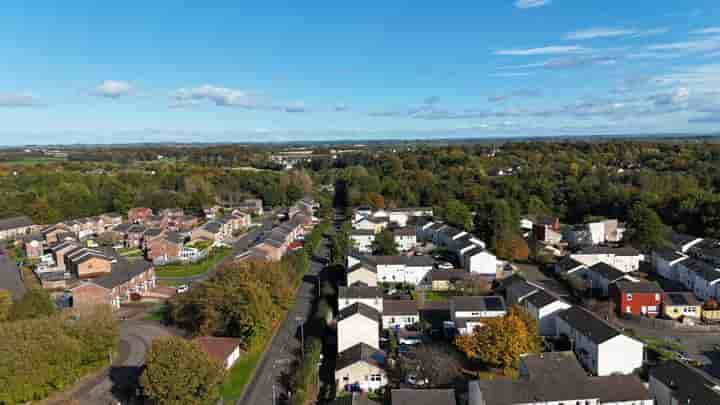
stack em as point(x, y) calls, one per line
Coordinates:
point(282, 350)
point(118, 383)
point(10, 276)
point(240, 246)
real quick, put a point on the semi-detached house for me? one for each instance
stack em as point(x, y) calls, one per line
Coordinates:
point(358, 323)
point(370, 296)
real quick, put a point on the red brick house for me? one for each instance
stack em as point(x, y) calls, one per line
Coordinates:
point(642, 298)
point(167, 247)
point(139, 215)
point(125, 279)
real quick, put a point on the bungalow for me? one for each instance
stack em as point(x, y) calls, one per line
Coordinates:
point(362, 274)
point(370, 296)
point(360, 368)
point(358, 323)
point(675, 383)
point(139, 215)
point(601, 275)
point(467, 312)
point(15, 226)
point(362, 240)
point(624, 259)
point(676, 305)
point(224, 350)
point(399, 314)
point(126, 278)
point(544, 307)
point(601, 348)
point(405, 396)
point(405, 238)
point(557, 378)
point(642, 298)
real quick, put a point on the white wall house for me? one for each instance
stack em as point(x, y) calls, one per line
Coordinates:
point(601, 275)
point(664, 262)
point(481, 261)
point(626, 260)
point(358, 323)
point(602, 349)
point(706, 284)
point(399, 314)
point(468, 312)
point(362, 239)
point(405, 238)
point(360, 368)
point(362, 274)
point(544, 308)
point(370, 296)
point(402, 269)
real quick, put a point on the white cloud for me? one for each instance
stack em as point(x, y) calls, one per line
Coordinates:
point(608, 32)
point(707, 31)
point(704, 77)
point(546, 50)
point(220, 96)
point(113, 89)
point(531, 3)
point(700, 45)
point(18, 100)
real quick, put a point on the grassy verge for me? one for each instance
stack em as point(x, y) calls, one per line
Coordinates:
point(193, 269)
point(130, 252)
point(240, 374)
point(156, 313)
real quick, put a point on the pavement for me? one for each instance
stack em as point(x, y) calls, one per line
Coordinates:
point(283, 348)
point(118, 383)
point(10, 276)
point(243, 244)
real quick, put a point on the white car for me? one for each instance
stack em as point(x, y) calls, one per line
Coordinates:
point(445, 266)
point(182, 289)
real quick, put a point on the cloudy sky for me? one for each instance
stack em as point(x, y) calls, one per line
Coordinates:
point(130, 71)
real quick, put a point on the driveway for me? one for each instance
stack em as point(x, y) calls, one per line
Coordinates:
point(119, 382)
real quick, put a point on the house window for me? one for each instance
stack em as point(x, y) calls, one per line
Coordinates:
point(376, 378)
point(629, 297)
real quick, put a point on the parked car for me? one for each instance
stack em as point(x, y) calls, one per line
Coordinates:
point(683, 356)
point(412, 379)
point(445, 266)
point(182, 289)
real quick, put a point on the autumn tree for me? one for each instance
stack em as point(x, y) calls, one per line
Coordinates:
point(178, 372)
point(5, 304)
point(384, 243)
point(35, 303)
point(502, 340)
point(376, 200)
point(512, 247)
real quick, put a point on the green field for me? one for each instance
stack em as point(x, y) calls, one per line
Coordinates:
point(239, 375)
point(32, 161)
point(193, 269)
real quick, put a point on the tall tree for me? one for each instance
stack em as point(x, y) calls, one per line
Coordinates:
point(178, 372)
point(646, 229)
point(384, 243)
point(34, 304)
point(458, 214)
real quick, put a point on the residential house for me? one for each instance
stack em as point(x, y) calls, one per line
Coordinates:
point(212, 231)
point(15, 227)
point(682, 242)
point(402, 269)
point(360, 368)
point(405, 238)
point(516, 289)
point(362, 240)
point(362, 273)
point(151, 234)
point(111, 220)
point(126, 278)
point(358, 323)
point(169, 247)
point(269, 250)
point(468, 312)
point(601, 275)
point(707, 250)
point(399, 314)
point(675, 383)
point(601, 348)
point(595, 233)
point(401, 216)
point(374, 224)
point(625, 259)
point(187, 223)
point(557, 378)
point(139, 215)
point(134, 236)
point(60, 250)
point(34, 245)
point(370, 296)
point(567, 266)
point(706, 283)
point(157, 221)
point(405, 396)
point(664, 261)
point(642, 298)
point(447, 280)
point(88, 263)
point(253, 206)
point(676, 305)
point(544, 307)
point(547, 230)
point(52, 234)
point(686, 270)
point(224, 350)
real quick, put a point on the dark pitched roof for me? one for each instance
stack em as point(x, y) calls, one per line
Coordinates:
point(696, 265)
point(588, 324)
point(617, 388)
point(478, 303)
point(688, 385)
point(541, 299)
point(607, 271)
point(449, 275)
point(603, 250)
point(406, 231)
point(212, 226)
point(668, 254)
point(175, 237)
point(362, 232)
point(680, 299)
point(359, 308)
point(642, 287)
point(568, 263)
point(362, 265)
point(359, 292)
point(15, 222)
point(355, 398)
point(520, 289)
point(680, 239)
point(152, 232)
point(451, 231)
point(122, 272)
point(399, 307)
point(122, 228)
point(360, 352)
point(136, 228)
point(423, 397)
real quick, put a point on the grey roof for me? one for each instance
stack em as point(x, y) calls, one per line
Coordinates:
point(122, 272)
point(122, 228)
point(15, 222)
point(588, 324)
point(360, 352)
point(423, 397)
point(568, 263)
point(412, 261)
point(541, 298)
point(153, 232)
point(451, 231)
point(136, 228)
point(680, 239)
point(478, 303)
point(362, 232)
point(399, 307)
point(602, 250)
point(607, 271)
point(361, 309)
point(355, 398)
point(617, 388)
point(640, 287)
point(367, 266)
point(680, 299)
point(696, 265)
point(359, 292)
point(520, 289)
point(405, 231)
point(10, 278)
point(668, 254)
point(212, 226)
point(449, 275)
point(175, 237)
point(688, 385)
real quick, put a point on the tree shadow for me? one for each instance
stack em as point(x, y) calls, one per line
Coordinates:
point(126, 383)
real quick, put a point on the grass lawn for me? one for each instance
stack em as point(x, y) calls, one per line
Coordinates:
point(239, 375)
point(156, 313)
point(438, 296)
point(200, 244)
point(193, 269)
point(130, 252)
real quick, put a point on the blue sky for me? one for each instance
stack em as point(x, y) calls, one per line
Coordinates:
point(95, 72)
